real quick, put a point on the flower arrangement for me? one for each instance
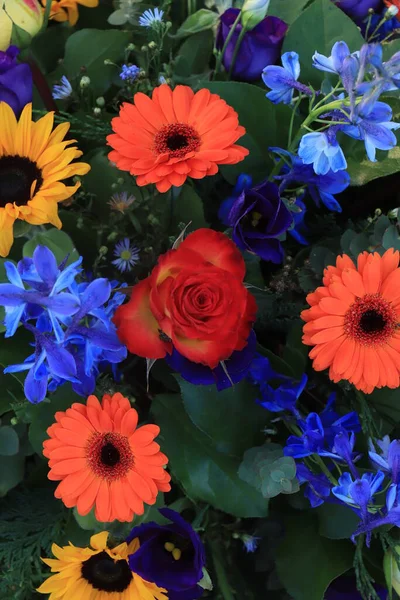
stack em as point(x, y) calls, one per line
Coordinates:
point(199, 299)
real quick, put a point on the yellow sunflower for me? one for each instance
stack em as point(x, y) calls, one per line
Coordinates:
point(97, 573)
point(33, 162)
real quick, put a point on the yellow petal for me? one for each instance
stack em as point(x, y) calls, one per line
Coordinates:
point(22, 142)
point(99, 541)
point(41, 132)
point(8, 128)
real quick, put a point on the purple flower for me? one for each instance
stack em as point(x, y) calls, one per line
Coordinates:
point(258, 217)
point(358, 9)
point(237, 366)
point(260, 47)
point(16, 86)
point(171, 556)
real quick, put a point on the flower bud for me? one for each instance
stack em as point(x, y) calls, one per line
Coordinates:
point(20, 21)
point(391, 11)
point(84, 82)
point(391, 570)
point(100, 102)
point(253, 12)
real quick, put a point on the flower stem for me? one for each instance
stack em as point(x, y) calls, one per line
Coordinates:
point(224, 47)
point(46, 14)
point(223, 583)
point(236, 50)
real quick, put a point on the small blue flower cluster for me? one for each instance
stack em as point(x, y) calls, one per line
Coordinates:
point(129, 73)
point(70, 321)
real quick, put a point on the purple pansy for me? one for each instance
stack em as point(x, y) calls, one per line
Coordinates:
point(260, 47)
point(155, 562)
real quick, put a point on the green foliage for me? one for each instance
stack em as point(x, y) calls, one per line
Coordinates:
point(205, 473)
point(14, 351)
point(336, 522)
point(266, 469)
point(187, 206)
point(287, 11)
point(57, 241)
point(318, 28)
point(194, 55)
point(88, 49)
point(219, 415)
point(307, 562)
point(9, 441)
point(199, 21)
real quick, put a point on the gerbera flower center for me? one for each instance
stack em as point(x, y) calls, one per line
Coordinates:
point(17, 176)
point(370, 319)
point(177, 140)
point(105, 574)
point(109, 455)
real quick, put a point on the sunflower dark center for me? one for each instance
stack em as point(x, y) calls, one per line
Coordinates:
point(110, 455)
point(176, 140)
point(105, 574)
point(17, 174)
point(372, 322)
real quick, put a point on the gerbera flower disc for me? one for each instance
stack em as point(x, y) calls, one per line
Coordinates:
point(104, 461)
point(33, 162)
point(175, 135)
point(353, 321)
point(97, 573)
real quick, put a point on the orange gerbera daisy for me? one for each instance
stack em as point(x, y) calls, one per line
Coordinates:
point(104, 460)
point(67, 10)
point(175, 135)
point(353, 321)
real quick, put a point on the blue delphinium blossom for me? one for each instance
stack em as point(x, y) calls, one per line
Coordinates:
point(70, 321)
point(342, 450)
point(322, 150)
point(318, 487)
point(151, 17)
point(129, 73)
point(250, 542)
point(63, 90)
point(334, 62)
point(278, 392)
point(388, 460)
point(127, 256)
point(283, 80)
point(172, 556)
point(321, 188)
point(372, 124)
point(299, 229)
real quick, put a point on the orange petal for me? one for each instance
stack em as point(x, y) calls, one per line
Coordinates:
point(372, 274)
point(333, 306)
point(353, 281)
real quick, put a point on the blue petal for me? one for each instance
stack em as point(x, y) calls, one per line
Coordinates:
point(330, 202)
point(277, 78)
point(108, 340)
point(12, 319)
point(277, 96)
point(63, 304)
point(60, 361)
point(290, 61)
point(11, 295)
point(340, 51)
point(323, 63)
point(95, 295)
point(67, 277)
point(19, 368)
point(46, 264)
point(13, 275)
point(35, 390)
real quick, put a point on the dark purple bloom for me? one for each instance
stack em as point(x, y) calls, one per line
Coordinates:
point(259, 217)
point(237, 366)
point(16, 86)
point(358, 9)
point(260, 47)
point(156, 560)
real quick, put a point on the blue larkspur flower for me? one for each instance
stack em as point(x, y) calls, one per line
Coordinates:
point(334, 62)
point(63, 90)
point(151, 17)
point(250, 542)
point(283, 80)
point(318, 487)
point(172, 556)
point(322, 150)
point(359, 493)
point(127, 256)
point(388, 457)
point(129, 73)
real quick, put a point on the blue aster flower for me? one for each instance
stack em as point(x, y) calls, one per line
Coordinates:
point(283, 80)
point(334, 62)
point(63, 90)
point(171, 556)
point(127, 256)
point(150, 17)
point(129, 73)
point(372, 124)
point(278, 392)
point(322, 150)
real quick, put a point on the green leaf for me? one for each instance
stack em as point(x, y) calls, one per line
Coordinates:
point(391, 238)
point(306, 562)
point(295, 353)
point(320, 258)
point(336, 521)
point(206, 474)
point(54, 38)
point(11, 472)
point(199, 21)
point(43, 415)
point(9, 441)
point(286, 10)
point(317, 29)
point(270, 129)
point(359, 243)
point(187, 207)
point(219, 415)
point(194, 54)
point(278, 364)
point(13, 351)
point(88, 49)
point(266, 469)
point(381, 225)
point(57, 241)
point(386, 402)
point(346, 240)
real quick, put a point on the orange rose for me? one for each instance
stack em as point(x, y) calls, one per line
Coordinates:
point(194, 301)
